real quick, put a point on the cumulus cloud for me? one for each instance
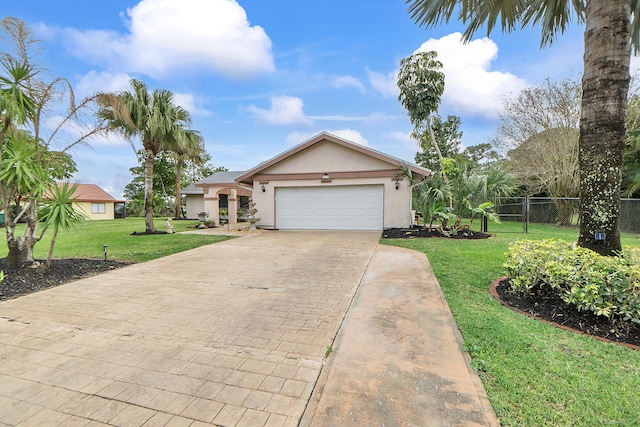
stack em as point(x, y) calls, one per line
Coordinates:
point(93, 82)
point(295, 138)
point(165, 37)
point(386, 84)
point(348, 81)
point(189, 102)
point(285, 110)
point(405, 139)
point(470, 84)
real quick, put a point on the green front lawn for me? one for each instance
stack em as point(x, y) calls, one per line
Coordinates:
point(534, 374)
point(89, 237)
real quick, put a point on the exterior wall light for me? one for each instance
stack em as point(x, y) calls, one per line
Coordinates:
point(397, 184)
point(325, 176)
point(262, 188)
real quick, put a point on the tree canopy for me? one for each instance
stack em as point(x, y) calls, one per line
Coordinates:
point(612, 27)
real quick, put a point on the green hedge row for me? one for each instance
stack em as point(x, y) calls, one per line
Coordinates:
point(605, 286)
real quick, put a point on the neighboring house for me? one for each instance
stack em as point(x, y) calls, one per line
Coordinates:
point(215, 192)
point(330, 183)
point(95, 203)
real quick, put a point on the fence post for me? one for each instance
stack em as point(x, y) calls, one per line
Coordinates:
point(526, 214)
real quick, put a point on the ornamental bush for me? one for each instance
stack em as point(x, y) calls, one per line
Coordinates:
point(605, 286)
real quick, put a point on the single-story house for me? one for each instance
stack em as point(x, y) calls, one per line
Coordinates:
point(95, 203)
point(330, 183)
point(215, 192)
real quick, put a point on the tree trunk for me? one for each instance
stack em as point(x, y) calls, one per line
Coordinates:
point(51, 246)
point(21, 247)
point(605, 85)
point(148, 192)
point(179, 188)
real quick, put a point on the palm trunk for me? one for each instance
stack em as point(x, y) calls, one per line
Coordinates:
point(605, 85)
point(51, 246)
point(148, 193)
point(179, 188)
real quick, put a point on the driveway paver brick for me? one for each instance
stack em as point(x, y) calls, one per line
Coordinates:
point(230, 334)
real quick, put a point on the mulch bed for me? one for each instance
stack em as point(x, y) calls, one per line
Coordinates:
point(423, 232)
point(34, 277)
point(544, 305)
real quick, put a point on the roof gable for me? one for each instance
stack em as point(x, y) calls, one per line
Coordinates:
point(328, 153)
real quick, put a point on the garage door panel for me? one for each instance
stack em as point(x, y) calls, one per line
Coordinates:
point(355, 207)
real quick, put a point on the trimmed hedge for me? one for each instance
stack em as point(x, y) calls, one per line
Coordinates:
point(605, 286)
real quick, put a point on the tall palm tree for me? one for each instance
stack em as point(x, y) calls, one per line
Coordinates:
point(154, 118)
point(611, 27)
point(190, 146)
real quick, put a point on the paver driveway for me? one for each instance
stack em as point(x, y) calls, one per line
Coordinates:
point(230, 334)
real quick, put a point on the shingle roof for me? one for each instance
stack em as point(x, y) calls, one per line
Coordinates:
point(228, 177)
point(90, 193)
point(192, 189)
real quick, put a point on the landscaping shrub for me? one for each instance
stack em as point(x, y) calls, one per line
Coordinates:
point(605, 286)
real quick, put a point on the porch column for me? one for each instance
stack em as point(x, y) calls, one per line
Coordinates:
point(233, 207)
point(212, 206)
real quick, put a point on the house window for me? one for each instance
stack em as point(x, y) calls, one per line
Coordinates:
point(98, 208)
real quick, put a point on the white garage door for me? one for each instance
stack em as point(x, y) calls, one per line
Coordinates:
point(352, 207)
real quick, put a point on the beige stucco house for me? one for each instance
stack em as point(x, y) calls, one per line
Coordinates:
point(331, 183)
point(95, 203)
point(216, 192)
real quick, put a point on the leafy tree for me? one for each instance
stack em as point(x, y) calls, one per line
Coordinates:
point(164, 179)
point(421, 85)
point(631, 174)
point(189, 148)
point(611, 28)
point(481, 156)
point(540, 129)
point(26, 100)
point(59, 213)
point(448, 138)
point(154, 119)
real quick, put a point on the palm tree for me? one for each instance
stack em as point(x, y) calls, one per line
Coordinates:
point(154, 118)
point(59, 213)
point(611, 27)
point(190, 146)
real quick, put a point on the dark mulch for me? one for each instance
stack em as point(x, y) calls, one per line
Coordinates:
point(421, 232)
point(144, 233)
point(35, 277)
point(543, 304)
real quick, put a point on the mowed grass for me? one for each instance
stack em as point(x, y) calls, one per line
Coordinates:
point(534, 374)
point(88, 238)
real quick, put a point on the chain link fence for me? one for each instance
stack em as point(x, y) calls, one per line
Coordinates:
point(562, 211)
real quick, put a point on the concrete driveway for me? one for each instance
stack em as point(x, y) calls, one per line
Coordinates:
point(232, 334)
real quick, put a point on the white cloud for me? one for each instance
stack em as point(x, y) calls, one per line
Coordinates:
point(350, 135)
point(93, 82)
point(404, 138)
point(348, 81)
point(165, 37)
point(387, 84)
point(295, 138)
point(285, 110)
point(470, 84)
point(189, 102)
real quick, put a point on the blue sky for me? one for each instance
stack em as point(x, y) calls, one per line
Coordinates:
point(261, 76)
